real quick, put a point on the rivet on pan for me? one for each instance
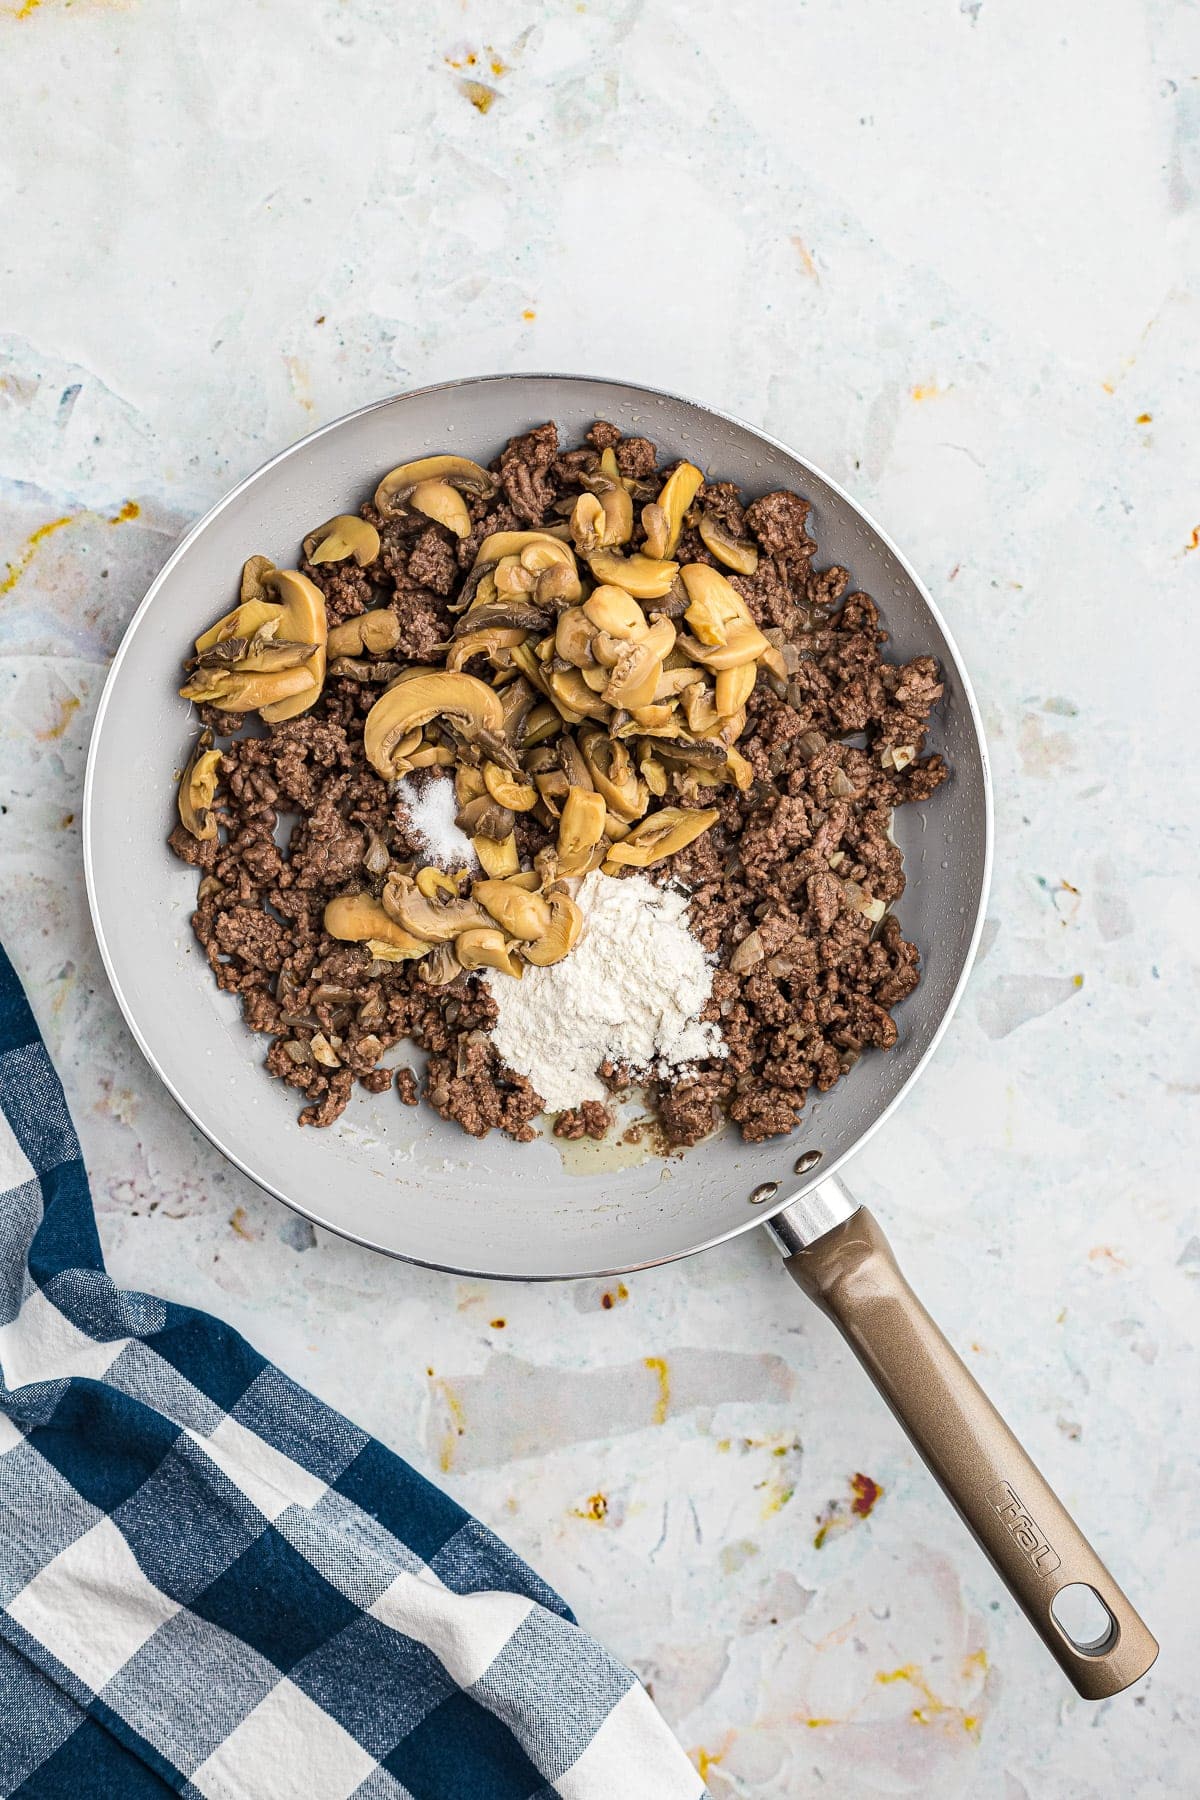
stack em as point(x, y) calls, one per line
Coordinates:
point(766, 1190)
point(808, 1161)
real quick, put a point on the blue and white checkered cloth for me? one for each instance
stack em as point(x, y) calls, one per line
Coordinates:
point(212, 1584)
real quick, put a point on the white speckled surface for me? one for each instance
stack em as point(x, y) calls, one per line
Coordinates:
point(949, 252)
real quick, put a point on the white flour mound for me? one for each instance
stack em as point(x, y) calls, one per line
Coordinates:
point(431, 809)
point(632, 989)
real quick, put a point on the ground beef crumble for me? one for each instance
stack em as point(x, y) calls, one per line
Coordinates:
point(803, 983)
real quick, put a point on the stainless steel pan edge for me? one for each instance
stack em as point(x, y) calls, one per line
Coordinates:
point(789, 1190)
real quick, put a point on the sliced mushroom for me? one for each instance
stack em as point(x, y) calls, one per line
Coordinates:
point(479, 588)
point(523, 914)
point(484, 947)
point(617, 510)
point(610, 768)
point(431, 882)
point(433, 919)
point(573, 636)
point(336, 539)
point(616, 613)
point(740, 770)
point(360, 919)
point(572, 761)
point(738, 554)
point(506, 790)
point(517, 701)
point(573, 697)
point(566, 923)
point(544, 558)
point(743, 643)
point(198, 789)
point(242, 624)
point(353, 668)
point(397, 487)
point(263, 656)
point(255, 570)
point(669, 829)
point(430, 694)
point(444, 504)
point(370, 634)
point(673, 681)
point(303, 622)
point(486, 815)
point(497, 857)
point(507, 615)
point(544, 723)
point(440, 967)
point(635, 679)
point(580, 829)
point(557, 586)
point(231, 692)
point(654, 716)
point(491, 641)
point(733, 688)
point(726, 634)
point(513, 580)
point(655, 526)
point(703, 753)
point(645, 577)
point(468, 784)
point(553, 787)
point(652, 771)
point(714, 603)
point(512, 543)
point(588, 524)
point(678, 491)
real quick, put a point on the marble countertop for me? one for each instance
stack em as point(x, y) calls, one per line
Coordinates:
point(949, 251)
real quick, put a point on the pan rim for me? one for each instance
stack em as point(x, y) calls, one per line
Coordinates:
point(761, 1215)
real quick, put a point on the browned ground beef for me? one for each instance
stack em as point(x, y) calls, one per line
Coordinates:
point(803, 983)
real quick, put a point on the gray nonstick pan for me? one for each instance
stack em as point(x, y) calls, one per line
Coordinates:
point(412, 1186)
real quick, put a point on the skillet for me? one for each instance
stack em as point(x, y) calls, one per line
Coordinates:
point(411, 1185)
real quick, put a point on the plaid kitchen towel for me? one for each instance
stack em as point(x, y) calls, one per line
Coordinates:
point(212, 1584)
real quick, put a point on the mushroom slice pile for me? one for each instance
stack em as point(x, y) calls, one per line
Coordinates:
point(268, 655)
point(435, 485)
point(595, 685)
point(462, 700)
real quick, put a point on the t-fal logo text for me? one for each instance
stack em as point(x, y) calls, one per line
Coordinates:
point(1023, 1529)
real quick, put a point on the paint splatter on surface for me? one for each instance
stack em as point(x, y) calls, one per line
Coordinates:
point(839, 1514)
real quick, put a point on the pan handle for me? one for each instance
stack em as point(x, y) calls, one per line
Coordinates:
point(1013, 1513)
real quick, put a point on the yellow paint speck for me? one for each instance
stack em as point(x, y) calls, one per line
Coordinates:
point(29, 550)
point(529, 313)
point(806, 262)
point(1077, 981)
point(1193, 542)
point(1108, 387)
point(456, 1424)
point(595, 1508)
point(68, 706)
point(237, 1223)
point(928, 390)
point(479, 94)
point(657, 1366)
point(1144, 418)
